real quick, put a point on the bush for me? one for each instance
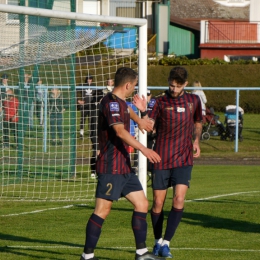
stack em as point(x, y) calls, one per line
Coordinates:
point(219, 75)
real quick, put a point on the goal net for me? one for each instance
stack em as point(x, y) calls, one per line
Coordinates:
point(48, 101)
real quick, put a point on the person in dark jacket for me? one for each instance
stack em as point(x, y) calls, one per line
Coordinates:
point(56, 109)
point(84, 103)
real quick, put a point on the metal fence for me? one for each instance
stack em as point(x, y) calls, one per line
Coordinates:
point(241, 133)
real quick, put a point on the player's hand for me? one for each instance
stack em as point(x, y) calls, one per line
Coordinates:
point(145, 124)
point(140, 102)
point(151, 155)
point(196, 149)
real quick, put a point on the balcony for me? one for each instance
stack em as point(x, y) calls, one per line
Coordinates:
point(230, 32)
point(220, 39)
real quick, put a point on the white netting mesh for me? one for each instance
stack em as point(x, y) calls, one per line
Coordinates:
point(37, 162)
point(34, 43)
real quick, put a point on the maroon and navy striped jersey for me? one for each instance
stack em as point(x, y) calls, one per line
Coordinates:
point(113, 157)
point(174, 121)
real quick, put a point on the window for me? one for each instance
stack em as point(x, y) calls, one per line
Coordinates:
point(12, 18)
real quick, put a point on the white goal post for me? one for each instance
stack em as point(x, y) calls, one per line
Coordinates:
point(51, 50)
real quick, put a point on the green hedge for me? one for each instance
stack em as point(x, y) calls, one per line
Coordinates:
point(218, 75)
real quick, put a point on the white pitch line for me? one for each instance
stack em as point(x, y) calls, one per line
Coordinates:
point(223, 195)
point(70, 206)
point(37, 211)
point(181, 248)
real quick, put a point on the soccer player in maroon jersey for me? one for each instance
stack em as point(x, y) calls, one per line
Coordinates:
point(178, 118)
point(115, 177)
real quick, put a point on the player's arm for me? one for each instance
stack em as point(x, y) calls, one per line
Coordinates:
point(197, 135)
point(125, 136)
point(143, 123)
point(141, 103)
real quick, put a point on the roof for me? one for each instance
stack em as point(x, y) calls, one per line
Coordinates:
point(195, 25)
point(188, 13)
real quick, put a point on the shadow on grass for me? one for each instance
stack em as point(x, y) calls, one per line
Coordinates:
point(39, 248)
point(13, 252)
point(208, 221)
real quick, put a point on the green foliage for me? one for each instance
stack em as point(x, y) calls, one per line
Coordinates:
point(183, 60)
point(152, 61)
point(99, 48)
point(218, 75)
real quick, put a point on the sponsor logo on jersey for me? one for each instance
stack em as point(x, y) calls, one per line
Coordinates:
point(115, 114)
point(190, 106)
point(180, 109)
point(151, 103)
point(114, 106)
point(169, 108)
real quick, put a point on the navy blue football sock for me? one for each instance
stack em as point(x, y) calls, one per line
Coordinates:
point(139, 226)
point(93, 231)
point(157, 222)
point(173, 221)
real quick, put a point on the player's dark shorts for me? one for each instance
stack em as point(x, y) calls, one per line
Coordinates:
point(163, 179)
point(114, 186)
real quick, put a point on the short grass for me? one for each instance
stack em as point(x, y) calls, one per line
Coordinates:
point(249, 147)
point(221, 221)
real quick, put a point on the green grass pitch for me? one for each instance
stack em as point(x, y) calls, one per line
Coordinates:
point(221, 221)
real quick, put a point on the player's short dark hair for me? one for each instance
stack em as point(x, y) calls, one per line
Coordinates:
point(124, 75)
point(179, 74)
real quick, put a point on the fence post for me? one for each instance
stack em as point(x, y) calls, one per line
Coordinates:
point(237, 118)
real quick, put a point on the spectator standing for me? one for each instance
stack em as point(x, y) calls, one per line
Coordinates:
point(4, 88)
point(115, 176)
point(10, 106)
point(97, 96)
point(39, 101)
point(56, 109)
point(29, 100)
point(84, 103)
point(201, 94)
point(110, 86)
point(177, 116)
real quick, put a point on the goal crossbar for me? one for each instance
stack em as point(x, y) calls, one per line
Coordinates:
point(70, 15)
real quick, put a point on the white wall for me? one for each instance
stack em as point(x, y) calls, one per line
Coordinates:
point(91, 7)
point(254, 11)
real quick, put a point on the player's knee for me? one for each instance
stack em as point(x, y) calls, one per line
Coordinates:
point(158, 204)
point(142, 206)
point(178, 200)
point(102, 213)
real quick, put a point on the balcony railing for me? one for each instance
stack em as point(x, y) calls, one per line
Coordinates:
point(230, 32)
